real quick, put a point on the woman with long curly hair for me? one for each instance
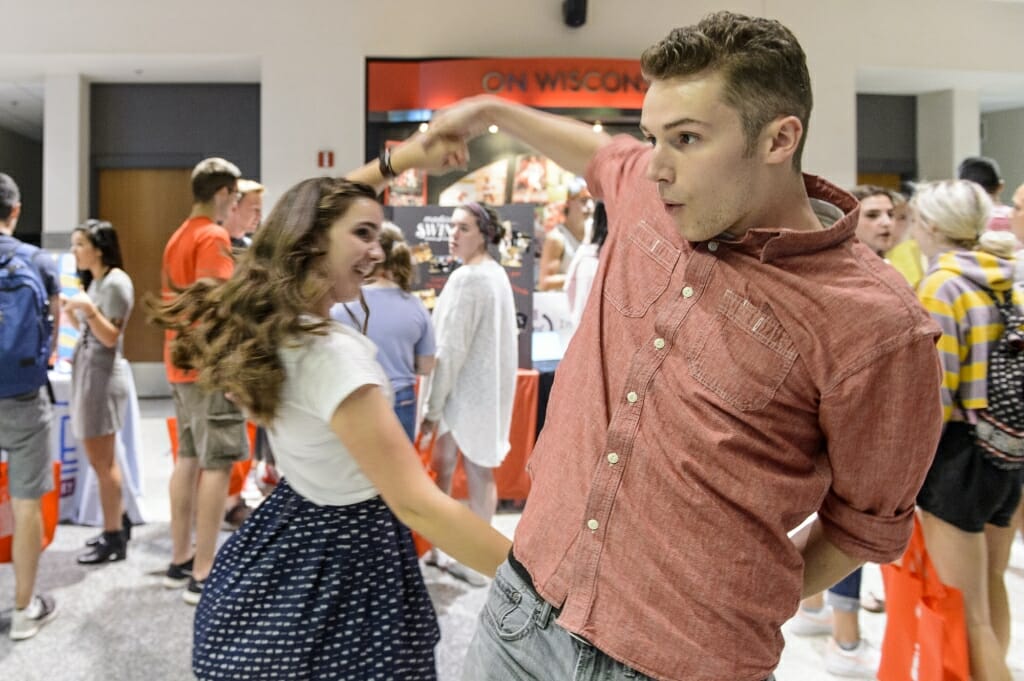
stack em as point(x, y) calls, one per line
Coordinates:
point(322, 581)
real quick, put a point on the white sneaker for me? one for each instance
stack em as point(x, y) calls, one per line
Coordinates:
point(812, 622)
point(27, 622)
point(860, 663)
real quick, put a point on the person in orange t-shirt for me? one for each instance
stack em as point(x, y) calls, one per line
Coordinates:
point(211, 429)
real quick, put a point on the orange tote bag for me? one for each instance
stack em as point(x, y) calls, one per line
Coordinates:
point(422, 545)
point(50, 503)
point(925, 633)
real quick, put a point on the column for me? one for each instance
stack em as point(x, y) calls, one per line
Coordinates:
point(65, 157)
point(948, 129)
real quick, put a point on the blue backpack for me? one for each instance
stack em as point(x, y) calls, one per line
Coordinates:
point(25, 324)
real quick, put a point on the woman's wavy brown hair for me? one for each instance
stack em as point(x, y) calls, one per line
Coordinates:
point(230, 331)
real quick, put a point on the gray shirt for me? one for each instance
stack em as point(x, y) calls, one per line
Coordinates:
point(114, 297)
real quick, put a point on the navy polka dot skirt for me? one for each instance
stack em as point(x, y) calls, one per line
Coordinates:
point(307, 592)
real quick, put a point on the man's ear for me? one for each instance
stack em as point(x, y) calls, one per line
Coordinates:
point(782, 138)
point(13, 217)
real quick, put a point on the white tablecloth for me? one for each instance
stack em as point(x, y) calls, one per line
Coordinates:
point(79, 496)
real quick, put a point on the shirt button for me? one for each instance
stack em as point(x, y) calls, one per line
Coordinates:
point(631, 397)
point(659, 343)
point(687, 292)
point(593, 524)
point(712, 246)
point(613, 458)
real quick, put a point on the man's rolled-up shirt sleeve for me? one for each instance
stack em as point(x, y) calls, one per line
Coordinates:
point(882, 423)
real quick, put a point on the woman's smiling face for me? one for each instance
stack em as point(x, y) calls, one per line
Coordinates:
point(354, 247)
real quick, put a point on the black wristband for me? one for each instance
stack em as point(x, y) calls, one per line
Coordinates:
point(386, 168)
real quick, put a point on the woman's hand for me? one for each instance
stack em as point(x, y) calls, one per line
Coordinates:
point(80, 302)
point(428, 430)
point(431, 153)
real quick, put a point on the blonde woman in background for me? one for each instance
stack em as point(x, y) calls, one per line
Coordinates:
point(968, 503)
point(562, 242)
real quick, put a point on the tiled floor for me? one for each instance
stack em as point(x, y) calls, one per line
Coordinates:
point(118, 624)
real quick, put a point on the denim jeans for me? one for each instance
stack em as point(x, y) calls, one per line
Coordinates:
point(845, 595)
point(517, 639)
point(405, 409)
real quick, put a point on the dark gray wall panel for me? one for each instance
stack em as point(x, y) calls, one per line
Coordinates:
point(175, 125)
point(887, 134)
point(22, 159)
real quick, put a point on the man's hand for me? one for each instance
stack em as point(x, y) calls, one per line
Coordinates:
point(463, 120)
point(566, 141)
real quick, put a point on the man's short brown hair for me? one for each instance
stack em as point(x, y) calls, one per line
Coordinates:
point(212, 174)
point(761, 62)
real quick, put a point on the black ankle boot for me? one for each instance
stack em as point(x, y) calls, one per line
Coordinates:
point(126, 526)
point(112, 547)
point(126, 530)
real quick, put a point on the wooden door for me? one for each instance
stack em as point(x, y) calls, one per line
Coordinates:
point(884, 180)
point(145, 207)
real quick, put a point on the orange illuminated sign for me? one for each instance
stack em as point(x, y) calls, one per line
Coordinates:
point(556, 83)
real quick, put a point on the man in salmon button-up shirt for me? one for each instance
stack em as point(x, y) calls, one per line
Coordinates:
point(742, 364)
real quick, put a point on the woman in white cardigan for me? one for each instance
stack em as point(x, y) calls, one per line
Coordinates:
point(469, 401)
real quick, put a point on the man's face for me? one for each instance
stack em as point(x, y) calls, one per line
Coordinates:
point(249, 212)
point(1017, 217)
point(875, 226)
point(705, 176)
point(224, 202)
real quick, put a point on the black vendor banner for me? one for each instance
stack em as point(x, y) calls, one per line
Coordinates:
point(426, 228)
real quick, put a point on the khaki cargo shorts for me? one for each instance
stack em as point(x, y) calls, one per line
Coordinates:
point(210, 427)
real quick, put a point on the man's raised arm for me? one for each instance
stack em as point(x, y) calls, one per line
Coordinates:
point(566, 141)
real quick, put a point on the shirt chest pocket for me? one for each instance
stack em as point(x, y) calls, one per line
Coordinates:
point(640, 274)
point(742, 354)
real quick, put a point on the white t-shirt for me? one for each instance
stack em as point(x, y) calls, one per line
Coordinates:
point(580, 279)
point(570, 244)
point(320, 374)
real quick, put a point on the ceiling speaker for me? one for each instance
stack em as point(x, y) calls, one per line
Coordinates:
point(574, 12)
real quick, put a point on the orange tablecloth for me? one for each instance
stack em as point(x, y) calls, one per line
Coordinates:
point(512, 478)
